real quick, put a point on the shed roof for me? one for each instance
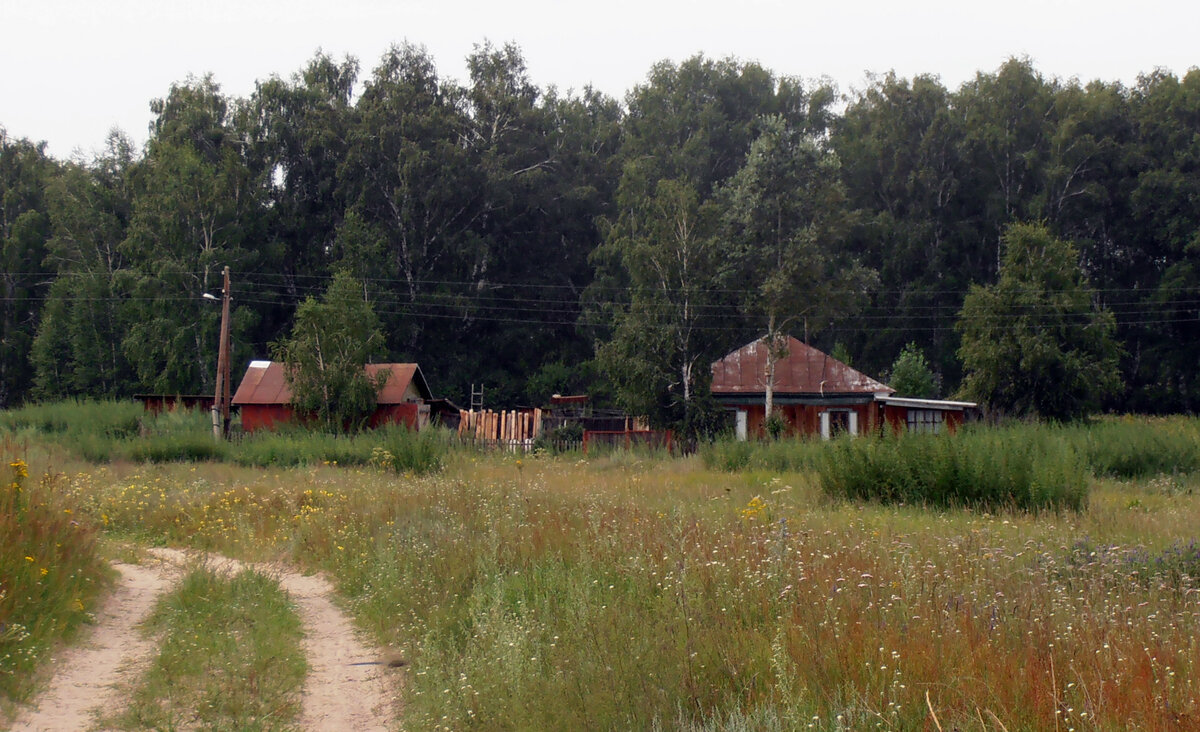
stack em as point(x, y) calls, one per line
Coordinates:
point(265, 383)
point(804, 370)
point(941, 404)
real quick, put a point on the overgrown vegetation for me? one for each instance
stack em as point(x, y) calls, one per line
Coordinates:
point(229, 658)
point(50, 570)
point(115, 430)
point(1022, 465)
point(1139, 448)
point(639, 591)
point(630, 591)
point(1016, 468)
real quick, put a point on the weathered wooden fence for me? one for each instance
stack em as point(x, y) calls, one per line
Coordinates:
point(509, 429)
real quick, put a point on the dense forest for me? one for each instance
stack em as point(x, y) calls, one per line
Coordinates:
point(536, 241)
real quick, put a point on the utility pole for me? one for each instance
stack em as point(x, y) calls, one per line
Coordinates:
point(223, 396)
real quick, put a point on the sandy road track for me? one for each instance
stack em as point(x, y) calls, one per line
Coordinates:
point(336, 696)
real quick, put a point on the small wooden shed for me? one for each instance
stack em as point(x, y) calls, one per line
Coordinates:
point(265, 398)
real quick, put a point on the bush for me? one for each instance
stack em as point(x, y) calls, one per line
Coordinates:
point(1027, 468)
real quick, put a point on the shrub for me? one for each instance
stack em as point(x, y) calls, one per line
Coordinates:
point(727, 455)
point(1024, 467)
point(560, 439)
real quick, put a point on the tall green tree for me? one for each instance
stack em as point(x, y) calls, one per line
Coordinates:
point(899, 143)
point(545, 165)
point(24, 230)
point(658, 354)
point(660, 269)
point(911, 375)
point(300, 133)
point(331, 342)
point(786, 218)
point(1035, 343)
point(78, 345)
point(1162, 237)
point(197, 209)
point(411, 182)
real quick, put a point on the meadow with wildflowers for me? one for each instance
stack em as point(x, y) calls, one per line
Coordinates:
point(636, 591)
point(50, 570)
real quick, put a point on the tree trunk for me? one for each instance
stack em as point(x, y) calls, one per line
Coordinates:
point(770, 374)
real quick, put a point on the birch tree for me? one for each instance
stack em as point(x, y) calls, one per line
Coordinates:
point(786, 217)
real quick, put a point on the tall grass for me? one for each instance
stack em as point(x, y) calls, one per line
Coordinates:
point(1125, 447)
point(784, 455)
point(1021, 467)
point(392, 448)
point(564, 594)
point(50, 571)
point(116, 430)
point(1139, 447)
point(114, 419)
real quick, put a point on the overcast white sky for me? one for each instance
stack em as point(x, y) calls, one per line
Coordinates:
point(72, 69)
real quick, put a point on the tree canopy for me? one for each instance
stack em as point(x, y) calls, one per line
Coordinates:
point(1035, 343)
point(532, 240)
point(324, 357)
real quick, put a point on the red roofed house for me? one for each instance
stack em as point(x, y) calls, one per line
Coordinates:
point(818, 394)
point(265, 399)
point(814, 393)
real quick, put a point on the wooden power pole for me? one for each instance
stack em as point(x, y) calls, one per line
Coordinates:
point(223, 396)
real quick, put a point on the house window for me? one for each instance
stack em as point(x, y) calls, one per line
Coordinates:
point(835, 422)
point(925, 420)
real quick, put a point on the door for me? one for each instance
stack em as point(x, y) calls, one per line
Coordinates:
point(739, 426)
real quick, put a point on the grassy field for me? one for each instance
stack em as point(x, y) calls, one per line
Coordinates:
point(643, 592)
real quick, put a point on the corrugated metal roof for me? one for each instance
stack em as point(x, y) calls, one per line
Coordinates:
point(265, 383)
point(915, 403)
point(805, 370)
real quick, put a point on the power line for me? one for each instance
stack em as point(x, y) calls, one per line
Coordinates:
point(475, 284)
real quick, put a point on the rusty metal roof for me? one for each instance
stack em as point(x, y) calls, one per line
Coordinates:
point(265, 383)
point(805, 370)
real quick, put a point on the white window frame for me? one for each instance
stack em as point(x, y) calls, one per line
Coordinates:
point(827, 426)
point(925, 420)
